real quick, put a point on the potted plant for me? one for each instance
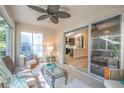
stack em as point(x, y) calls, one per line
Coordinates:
point(114, 51)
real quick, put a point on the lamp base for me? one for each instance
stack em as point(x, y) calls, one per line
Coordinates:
point(50, 53)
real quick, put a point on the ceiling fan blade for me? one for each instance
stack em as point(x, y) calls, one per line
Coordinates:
point(54, 19)
point(62, 14)
point(53, 8)
point(39, 9)
point(42, 17)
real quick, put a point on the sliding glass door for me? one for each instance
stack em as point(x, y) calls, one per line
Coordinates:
point(105, 50)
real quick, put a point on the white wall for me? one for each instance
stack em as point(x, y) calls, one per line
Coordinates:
point(12, 28)
point(48, 35)
point(59, 46)
point(80, 22)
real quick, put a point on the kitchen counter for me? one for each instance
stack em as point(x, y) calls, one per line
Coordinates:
point(77, 52)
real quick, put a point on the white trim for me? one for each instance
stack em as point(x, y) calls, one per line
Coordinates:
point(6, 16)
point(89, 47)
point(122, 42)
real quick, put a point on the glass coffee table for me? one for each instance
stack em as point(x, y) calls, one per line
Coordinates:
point(53, 71)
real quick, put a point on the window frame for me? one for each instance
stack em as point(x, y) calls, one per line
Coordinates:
point(32, 42)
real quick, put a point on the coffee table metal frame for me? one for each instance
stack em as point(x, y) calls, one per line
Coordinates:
point(54, 76)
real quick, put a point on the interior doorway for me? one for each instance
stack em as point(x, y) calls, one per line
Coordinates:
point(76, 49)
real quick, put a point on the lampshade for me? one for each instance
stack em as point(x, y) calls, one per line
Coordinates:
point(50, 48)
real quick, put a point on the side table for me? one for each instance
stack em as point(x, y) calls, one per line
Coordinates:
point(51, 59)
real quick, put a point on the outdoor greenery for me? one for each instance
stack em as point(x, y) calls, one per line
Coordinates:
point(115, 51)
point(3, 26)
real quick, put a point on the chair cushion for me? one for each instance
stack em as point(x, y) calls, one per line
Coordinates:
point(9, 63)
point(25, 75)
point(17, 82)
point(5, 74)
point(5, 68)
point(21, 70)
point(29, 78)
point(30, 62)
point(31, 81)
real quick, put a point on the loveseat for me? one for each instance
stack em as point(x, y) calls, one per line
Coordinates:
point(15, 77)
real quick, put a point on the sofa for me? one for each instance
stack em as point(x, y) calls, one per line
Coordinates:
point(115, 76)
point(9, 74)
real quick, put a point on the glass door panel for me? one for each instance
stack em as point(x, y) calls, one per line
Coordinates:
point(105, 45)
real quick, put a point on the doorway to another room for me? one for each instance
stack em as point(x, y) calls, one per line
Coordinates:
point(76, 49)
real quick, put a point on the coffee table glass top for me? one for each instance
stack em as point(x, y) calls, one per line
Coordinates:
point(54, 70)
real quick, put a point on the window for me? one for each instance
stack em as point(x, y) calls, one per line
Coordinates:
point(4, 38)
point(31, 44)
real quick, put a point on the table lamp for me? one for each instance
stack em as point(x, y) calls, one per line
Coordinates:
point(50, 50)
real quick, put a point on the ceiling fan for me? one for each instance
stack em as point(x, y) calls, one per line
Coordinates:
point(52, 12)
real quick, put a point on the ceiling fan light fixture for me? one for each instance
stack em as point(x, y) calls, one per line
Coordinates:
point(62, 14)
point(42, 17)
point(54, 19)
point(52, 12)
point(37, 8)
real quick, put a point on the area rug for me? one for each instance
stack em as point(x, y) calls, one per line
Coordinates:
point(59, 83)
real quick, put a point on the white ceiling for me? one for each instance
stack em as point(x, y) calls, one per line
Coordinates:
point(24, 14)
